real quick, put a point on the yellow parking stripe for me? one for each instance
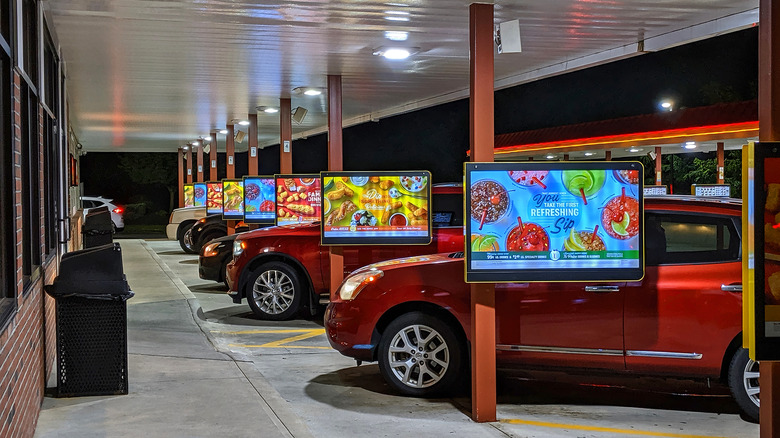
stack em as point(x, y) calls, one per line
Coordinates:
point(281, 343)
point(605, 429)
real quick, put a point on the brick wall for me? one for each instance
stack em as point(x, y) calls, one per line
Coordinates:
point(27, 344)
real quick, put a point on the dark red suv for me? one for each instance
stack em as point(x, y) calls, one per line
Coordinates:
point(284, 269)
point(684, 319)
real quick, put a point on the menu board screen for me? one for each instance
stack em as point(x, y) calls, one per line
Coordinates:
point(232, 199)
point(259, 205)
point(214, 197)
point(199, 194)
point(189, 195)
point(298, 199)
point(562, 221)
point(376, 208)
point(711, 190)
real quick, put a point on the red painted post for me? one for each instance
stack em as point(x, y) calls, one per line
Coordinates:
point(252, 154)
point(180, 160)
point(658, 171)
point(335, 162)
point(285, 137)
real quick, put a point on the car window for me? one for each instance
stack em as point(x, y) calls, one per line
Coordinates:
point(679, 238)
point(447, 210)
point(86, 203)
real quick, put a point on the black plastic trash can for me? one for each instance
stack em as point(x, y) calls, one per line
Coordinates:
point(91, 312)
point(98, 228)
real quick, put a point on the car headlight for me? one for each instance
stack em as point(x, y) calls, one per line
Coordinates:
point(210, 250)
point(238, 247)
point(352, 286)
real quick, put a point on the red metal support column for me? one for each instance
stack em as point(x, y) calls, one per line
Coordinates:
point(180, 160)
point(721, 162)
point(213, 157)
point(188, 163)
point(335, 163)
point(198, 151)
point(285, 140)
point(483, 300)
point(252, 154)
point(769, 130)
point(658, 171)
point(565, 157)
point(230, 152)
point(608, 155)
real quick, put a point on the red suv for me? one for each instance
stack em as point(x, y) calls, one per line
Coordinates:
point(283, 269)
point(684, 319)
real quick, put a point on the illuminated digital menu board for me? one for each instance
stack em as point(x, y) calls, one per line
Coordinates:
point(189, 195)
point(375, 208)
point(765, 216)
point(199, 194)
point(232, 199)
point(298, 199)
point(562, 221)
point(259, 205)
point(214, 197)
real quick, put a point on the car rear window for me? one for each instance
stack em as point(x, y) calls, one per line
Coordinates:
point(447, 210)
point(679, 238)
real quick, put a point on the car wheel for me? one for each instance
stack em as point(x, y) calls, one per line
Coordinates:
point(743, 382)
point(204, 240)
point(274, 292)
point(186, 242)
point(420, 355)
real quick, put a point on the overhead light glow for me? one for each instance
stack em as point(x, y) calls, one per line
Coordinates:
point(666, 105)
point(207, 138)
point(634, 150)
point(196, 143)
point(396, 53)
point(690, 145)
point(271, 110)
point(312, 92)
point(589, 154)
point(396, 18)
point(223, 131)
point(396, 35)
point(243, 122)
point(396, 12)
point(550, 157)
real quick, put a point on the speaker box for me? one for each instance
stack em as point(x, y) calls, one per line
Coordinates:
point(508, 37)
point(298, 114)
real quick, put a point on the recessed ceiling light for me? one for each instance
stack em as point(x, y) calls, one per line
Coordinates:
point(207, 138)
point(396, 18)
point(635, 150)
point(196, 143)
point(396, 35)
point(395, 52)
point(690, 145)
point(223, 131)
point(271, 110)
point(550, 157)
point(396, 12)
point(243, 122)
point(312, 92)
point(589, 154)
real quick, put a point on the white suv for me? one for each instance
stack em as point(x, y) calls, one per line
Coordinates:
point(90, 202)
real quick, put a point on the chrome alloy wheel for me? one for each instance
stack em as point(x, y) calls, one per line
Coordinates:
point(750, 381)
point(273, 292)
point(418, 356)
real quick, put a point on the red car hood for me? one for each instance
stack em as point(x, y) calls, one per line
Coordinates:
point(281, 230)
point(410, 262)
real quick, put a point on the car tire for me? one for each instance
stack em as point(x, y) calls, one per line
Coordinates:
point(186, 242)
point(204, 240)
point(743, 383)
point(274, 292)
point(408, 364)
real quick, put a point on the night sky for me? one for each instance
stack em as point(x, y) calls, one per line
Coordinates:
point(718, 69)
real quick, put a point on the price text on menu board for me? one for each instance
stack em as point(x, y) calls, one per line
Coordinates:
point(764, 198)
point(376, 208)
point(564, 221)
point(259, 205)
point(297, 199)
point(232, 199)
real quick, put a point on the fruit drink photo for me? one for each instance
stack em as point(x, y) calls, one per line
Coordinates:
point(562, 221)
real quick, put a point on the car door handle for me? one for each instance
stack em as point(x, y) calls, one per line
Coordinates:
point(731, 287)
point(602, 289)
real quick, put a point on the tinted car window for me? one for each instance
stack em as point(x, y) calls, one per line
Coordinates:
point(447, 210)
point(674, 238)
point(85, 203)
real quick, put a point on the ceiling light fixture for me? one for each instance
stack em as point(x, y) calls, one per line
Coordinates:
point(223, 131)
point(690, 145)
point(666, 105)
point(396, 35)
point(207, 138)
point(550, 157)
point(635, 150)
point(312, 92)
point(243, 122)
point(267, 109)
point(308, 91)
point(396, 53)
point(589, 154)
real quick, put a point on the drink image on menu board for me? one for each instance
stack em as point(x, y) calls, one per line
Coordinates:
point(233, 199)
point(199, 194)
point(189, 195)
point(259, 200)
point(298, 199)
point(214, 197)
point(563, 221)
point(376, 208)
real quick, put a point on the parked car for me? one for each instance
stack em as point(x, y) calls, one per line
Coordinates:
point(180, 222)
point(283, 269)
point(683, 319)
point(214, 257)
point(209, 228)
point(90, 202)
